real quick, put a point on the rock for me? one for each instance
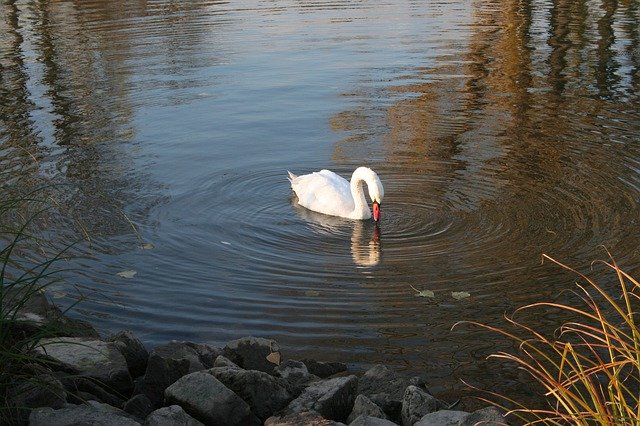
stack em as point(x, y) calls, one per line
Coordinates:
point(169, 362)
point(364, 420)
point(204, 397)
point(301, 419)
point(35, 314)
point(173, 415)
point(442, 418)
point(86, 389)
point(222, 361)
point(391, 407)
point(139, 406)
point(133, 351)
point(364, 406)
point(381, 379)
point(43, 390)
point(415, 404)
point(94, 359)
point(264, 393)
point(254, 353)
point(331, 398)
point(324, 369)
point(295, 372)
point(489, 416)
point(85, 414)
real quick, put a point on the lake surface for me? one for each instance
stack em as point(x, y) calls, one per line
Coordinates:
point(501, 130)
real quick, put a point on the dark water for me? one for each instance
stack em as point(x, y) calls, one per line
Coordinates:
point(500, 129)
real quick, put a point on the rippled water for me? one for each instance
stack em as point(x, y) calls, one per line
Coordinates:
point(500, 129)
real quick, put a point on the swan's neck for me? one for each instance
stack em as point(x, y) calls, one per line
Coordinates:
point(361, 209)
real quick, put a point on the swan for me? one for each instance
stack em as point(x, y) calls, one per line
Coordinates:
point(328, 193)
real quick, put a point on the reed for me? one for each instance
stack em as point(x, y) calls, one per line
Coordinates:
point(588, 370)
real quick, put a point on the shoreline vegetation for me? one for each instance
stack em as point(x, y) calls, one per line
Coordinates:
point(55, 370)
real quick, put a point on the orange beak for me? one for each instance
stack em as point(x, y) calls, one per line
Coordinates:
point(376, 211)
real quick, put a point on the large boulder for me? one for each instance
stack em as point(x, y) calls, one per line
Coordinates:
point(295, 373)
point(34, 313)
point(90, 358)
point(254, 353)
point(324, 369)
point(208, 400)
point(416, 403)
point(92, 413)
point(265, 394)
point(364, 406)
point(167, 363)
point(331, 398)
point(364, 420)
point(133, 351)
point(308, 418)
point(139, 406)
point(382, 379)
point(172, 415)
point(489, 416)
point(81, 389)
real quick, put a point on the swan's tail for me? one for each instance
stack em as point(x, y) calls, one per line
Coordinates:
point(291, 176)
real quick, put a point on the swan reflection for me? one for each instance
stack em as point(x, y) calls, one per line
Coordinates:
point(365, 236)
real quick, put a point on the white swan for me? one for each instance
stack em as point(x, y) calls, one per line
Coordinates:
point(328, 193)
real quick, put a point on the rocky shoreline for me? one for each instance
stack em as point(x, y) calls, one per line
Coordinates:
point(84, 379)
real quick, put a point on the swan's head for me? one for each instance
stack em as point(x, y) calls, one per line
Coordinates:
point(376, 191)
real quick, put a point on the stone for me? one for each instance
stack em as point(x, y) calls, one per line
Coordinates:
point(442, 418)
point(34, 313)
point(204, 397)
point(43, 390)
point(364, 406)
point(301, 419)
point(253, 353)
point(364, 420)
point(85, 414)
point(324, 369)
point(489, 416)
point(172, 415)
point(139, 406)
point(264, 393)
point(167, 363)
point(391, 407)
point(415, 404)
point(94, 359)
point(222, 361)
point(86, 389)
point(133, 351)
point(382, 379)
point(331, 398)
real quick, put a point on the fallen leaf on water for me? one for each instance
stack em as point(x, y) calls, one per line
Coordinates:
point(460, 295)
point(312, 293)
point(127, 274)
point(59, 294)
point(274, 358)
point(148, 246)
point(423, 293)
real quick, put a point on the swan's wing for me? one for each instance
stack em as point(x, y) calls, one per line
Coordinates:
point(324, 192)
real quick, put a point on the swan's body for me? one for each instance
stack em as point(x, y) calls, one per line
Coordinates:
point(328, 193)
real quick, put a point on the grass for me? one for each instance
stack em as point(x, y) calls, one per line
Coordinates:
point(588, 370)
point(25, 271)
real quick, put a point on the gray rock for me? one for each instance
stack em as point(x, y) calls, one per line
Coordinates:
point(139, 406)
point(364, 406)
point(35, 314)
point(93, 359)
point(324, 369)
point(222, 361)
point(331, 398)
point(415, 404)
point(208, 400)
point(391, 407)
point(85, 414)
point(364, 420)
point(251, 353)
point(381, 379)
point(442, 418)
point(172, 415)
point(296, 374)
point(82, 389)
point(167, 363)
point(264, 393)
point(489, 416)
point(133, 351)
point(301, 419)
point(43, 390)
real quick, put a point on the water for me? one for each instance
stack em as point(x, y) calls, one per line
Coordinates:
point(501, 130)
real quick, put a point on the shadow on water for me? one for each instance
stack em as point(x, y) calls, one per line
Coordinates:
point(501, 130)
